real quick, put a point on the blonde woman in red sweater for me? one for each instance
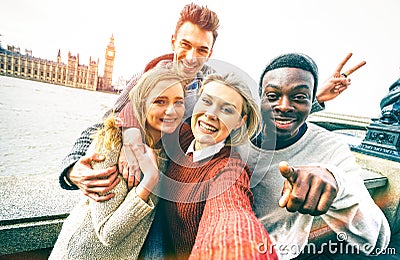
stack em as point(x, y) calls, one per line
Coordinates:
point(206, 197)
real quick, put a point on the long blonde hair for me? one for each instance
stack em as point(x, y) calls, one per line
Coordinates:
point(140, 93)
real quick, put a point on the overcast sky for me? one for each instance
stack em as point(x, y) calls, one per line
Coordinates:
point(251, 33)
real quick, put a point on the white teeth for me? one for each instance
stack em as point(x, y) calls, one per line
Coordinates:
point(283, 122)
point(168, 120)
point(207, 127)
point(189, 66)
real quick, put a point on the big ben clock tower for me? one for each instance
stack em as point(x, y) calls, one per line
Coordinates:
point(109, 65)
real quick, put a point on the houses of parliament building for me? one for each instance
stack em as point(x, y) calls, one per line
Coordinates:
point(70, 74)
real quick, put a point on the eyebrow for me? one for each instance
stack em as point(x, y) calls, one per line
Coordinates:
point(225, 103)
point(295, 88)
point(165, 97)
point(302, 86)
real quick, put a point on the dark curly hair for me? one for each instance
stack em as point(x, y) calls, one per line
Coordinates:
point(292, 60)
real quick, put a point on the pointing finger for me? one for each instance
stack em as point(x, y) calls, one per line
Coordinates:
point(287, 189)
point(287, 171)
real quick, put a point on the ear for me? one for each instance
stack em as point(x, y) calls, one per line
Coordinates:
point(173, 40)
point(241, 122)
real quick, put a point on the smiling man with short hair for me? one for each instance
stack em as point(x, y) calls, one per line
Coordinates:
point(324, 180)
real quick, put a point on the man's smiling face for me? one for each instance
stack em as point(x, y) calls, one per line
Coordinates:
point(192, 47)
point(286, 101)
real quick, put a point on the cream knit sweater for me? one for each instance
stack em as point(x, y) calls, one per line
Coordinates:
point(113, 229)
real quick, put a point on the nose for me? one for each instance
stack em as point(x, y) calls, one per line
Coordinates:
point(191, 54)
point(284, 104)
point(170, 109)
point(210, 116)
point(211, 113)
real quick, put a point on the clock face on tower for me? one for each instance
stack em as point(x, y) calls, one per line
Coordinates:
point(110, 53)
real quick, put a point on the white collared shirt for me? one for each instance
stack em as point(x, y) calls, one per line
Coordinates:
point(206, 152)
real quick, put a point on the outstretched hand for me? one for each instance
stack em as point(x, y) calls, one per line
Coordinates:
point(337, 82)
point(307, 189)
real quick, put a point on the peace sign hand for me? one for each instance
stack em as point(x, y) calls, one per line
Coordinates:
point(338, 82)
point(350, 71)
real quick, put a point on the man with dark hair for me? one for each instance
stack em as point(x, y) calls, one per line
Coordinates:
point(325, 179)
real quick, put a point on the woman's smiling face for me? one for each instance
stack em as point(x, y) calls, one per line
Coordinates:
point(216, 114)
point(165, 108)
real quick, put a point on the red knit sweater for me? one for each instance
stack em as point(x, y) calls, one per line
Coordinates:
point(209, 214)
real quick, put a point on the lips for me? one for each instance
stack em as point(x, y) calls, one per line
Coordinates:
point(284, 123)
point(168, 120)
point(207, 128)
point(189, 67)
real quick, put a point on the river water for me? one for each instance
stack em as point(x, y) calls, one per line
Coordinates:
point(39, 123)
